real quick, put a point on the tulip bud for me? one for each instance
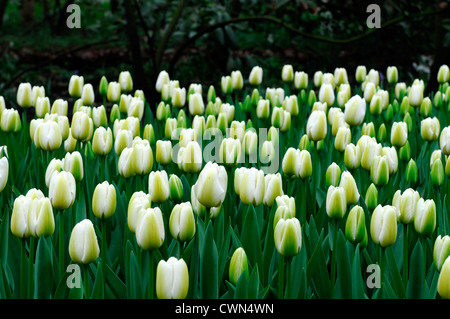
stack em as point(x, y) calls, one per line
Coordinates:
point(326, 94)
point(343, 138)
point(158, 186)
point(250, 142)
point(392, 159)
point(406, 204)
point(163, 152)
point(412, 173)
point(382, 133)
point(311, 98)
point(369, 91)
point(19, 217)
point(256, 76)
point(226, 84)
point(437, 100)
point(441, 251)
point(190, 158)
point(400, 90)
point(392, 74)
point(47, 136)
point(405, 152)
point(149, 133)
point(288, 237)
point(163, 78)
point(361, 73)
point(336, 203)
point(316, 126)
point(444, 140)
point(443, 74)
point(267, 153)
point(125, 163)
point(375, 105)
point(443, 286)
point(355, 227)
point(237, 81)
point(181, 222)
point(379, 172)
point(104, 200)
point(252, 186)
point(175, 188)
point(351, 190)
point(371, 198)
point(103, 86)
point(287, 73)
point(25, 95)
point(230, 151)
point(40, 218)
point(304, 143)
point(437, 173)
point(238, 265)
point(317, 79)
point(126, 82)
point(415, 96)
point(102, 141)
point(196, 106)
point(399, 134)
point(272, 189)
point(383, 226)
point(332, 175)
point(150, 229)
point(368, 129)
point(62, 190)
point(372, 150)
point(139, 201)
point(290, 104)
point(425, 217)
point(10, 121)
point(355, 111)
point(304, 168)
point(42, 106)
point(300, 80)
point(83, 244)
point(136, 108)
point(172, 279)
point(426, 107)
point(429, 129)
point(210, 188)
point(343, 95)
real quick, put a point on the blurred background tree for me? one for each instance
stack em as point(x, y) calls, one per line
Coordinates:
point(198, 41)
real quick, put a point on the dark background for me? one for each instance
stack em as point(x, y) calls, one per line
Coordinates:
point(199, 41)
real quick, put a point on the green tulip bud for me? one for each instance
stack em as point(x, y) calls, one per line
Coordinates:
point(405, 152)
point(73, 163)
point(382, 133)
point(311, 98)
point(115, 114)
point(425, 107)
point(437, 173)
point(441, 251)
point(438, 100)
point(103, 86)
point(226, 85)
point(175, 188)
point(211, 96)
point(272, 189)
point(447, 167)
point(83, 244)
point(181, 222)
point(255, 97)
point(412, 173)
point(150, 229)
point(104, 200)
point(304, 144)
point(368, 129)
point(383, 226)
point(332, 175)
point(389, 113)
point(376, 106)
point(404, 106)
point(172, 279)
point(355, 227)
point(273, 135)
point(288, 237)
point(149, 133)
point(371, 198)
point(336, 203)
point(62, 190)
point(425, 217)
point(238, 265)
point(400, 90)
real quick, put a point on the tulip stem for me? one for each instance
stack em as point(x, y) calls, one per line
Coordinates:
point(315, 160)
point(151, 278)
point(30, 268)
point(334, 252)
point(104, 252)
point(288, 278)
point(61, 242)
point(405, 254)
point(23, 270)
point(303, 207)
point(86, 282)
point(280, 276)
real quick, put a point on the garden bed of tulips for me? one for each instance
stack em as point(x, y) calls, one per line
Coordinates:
point(318, 188)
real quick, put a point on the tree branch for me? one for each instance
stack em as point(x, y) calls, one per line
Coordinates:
point(292, 29)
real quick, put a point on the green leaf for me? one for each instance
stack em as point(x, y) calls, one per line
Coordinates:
point(317, 271)
point(98, 292)
point(43, 279)
point(209, 266)
point(396, 279)
point(136, 289)
point(343, 287)
point(117, 288)
point(357, 279)
point(415, 287)
point(250, 237)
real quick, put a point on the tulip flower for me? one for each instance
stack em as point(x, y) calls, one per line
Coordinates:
point(399, 134)
point(211, 186)
point(42, 106)
point(429, 129)
point(230, 151)
point(371, 198)
point(237, 81)
point(40, 218)
point(163, 152)
point(19, 217)
point(142, 156)
point(238, 266)
point(392, 74)
point(351, 190)
point(181, 222)
point(163, 78)
point(406, 204)
point(190, 158)
point(425, 217)
point(175, 188)
point(126, 82)
point(83, 244)
point(226, 84)
point(355, 110)
point(441, 251)
point(290, 104)
point(288, 237)
point(326, 94)
point(336, 204)
point(360, 73)
point(252, 186)
point(437, 173)
point(149, 133)
point(300, 80)
point(172, 279)
point(138, 201)
point(150, 229)
point(332, 175)
point(316, 126)
point(443, 74)
point(104, 200)
point(76, 84)
point(383, 226)
point(272, 188)
point(102, 141)
point(62, 190)
point(10, 121)
point(355, 227)
point(317, 78)
point(411, 173)
point(287, 73)
point(415, 96)
point(114, 92)
point(256, 76)
point(158, 186)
